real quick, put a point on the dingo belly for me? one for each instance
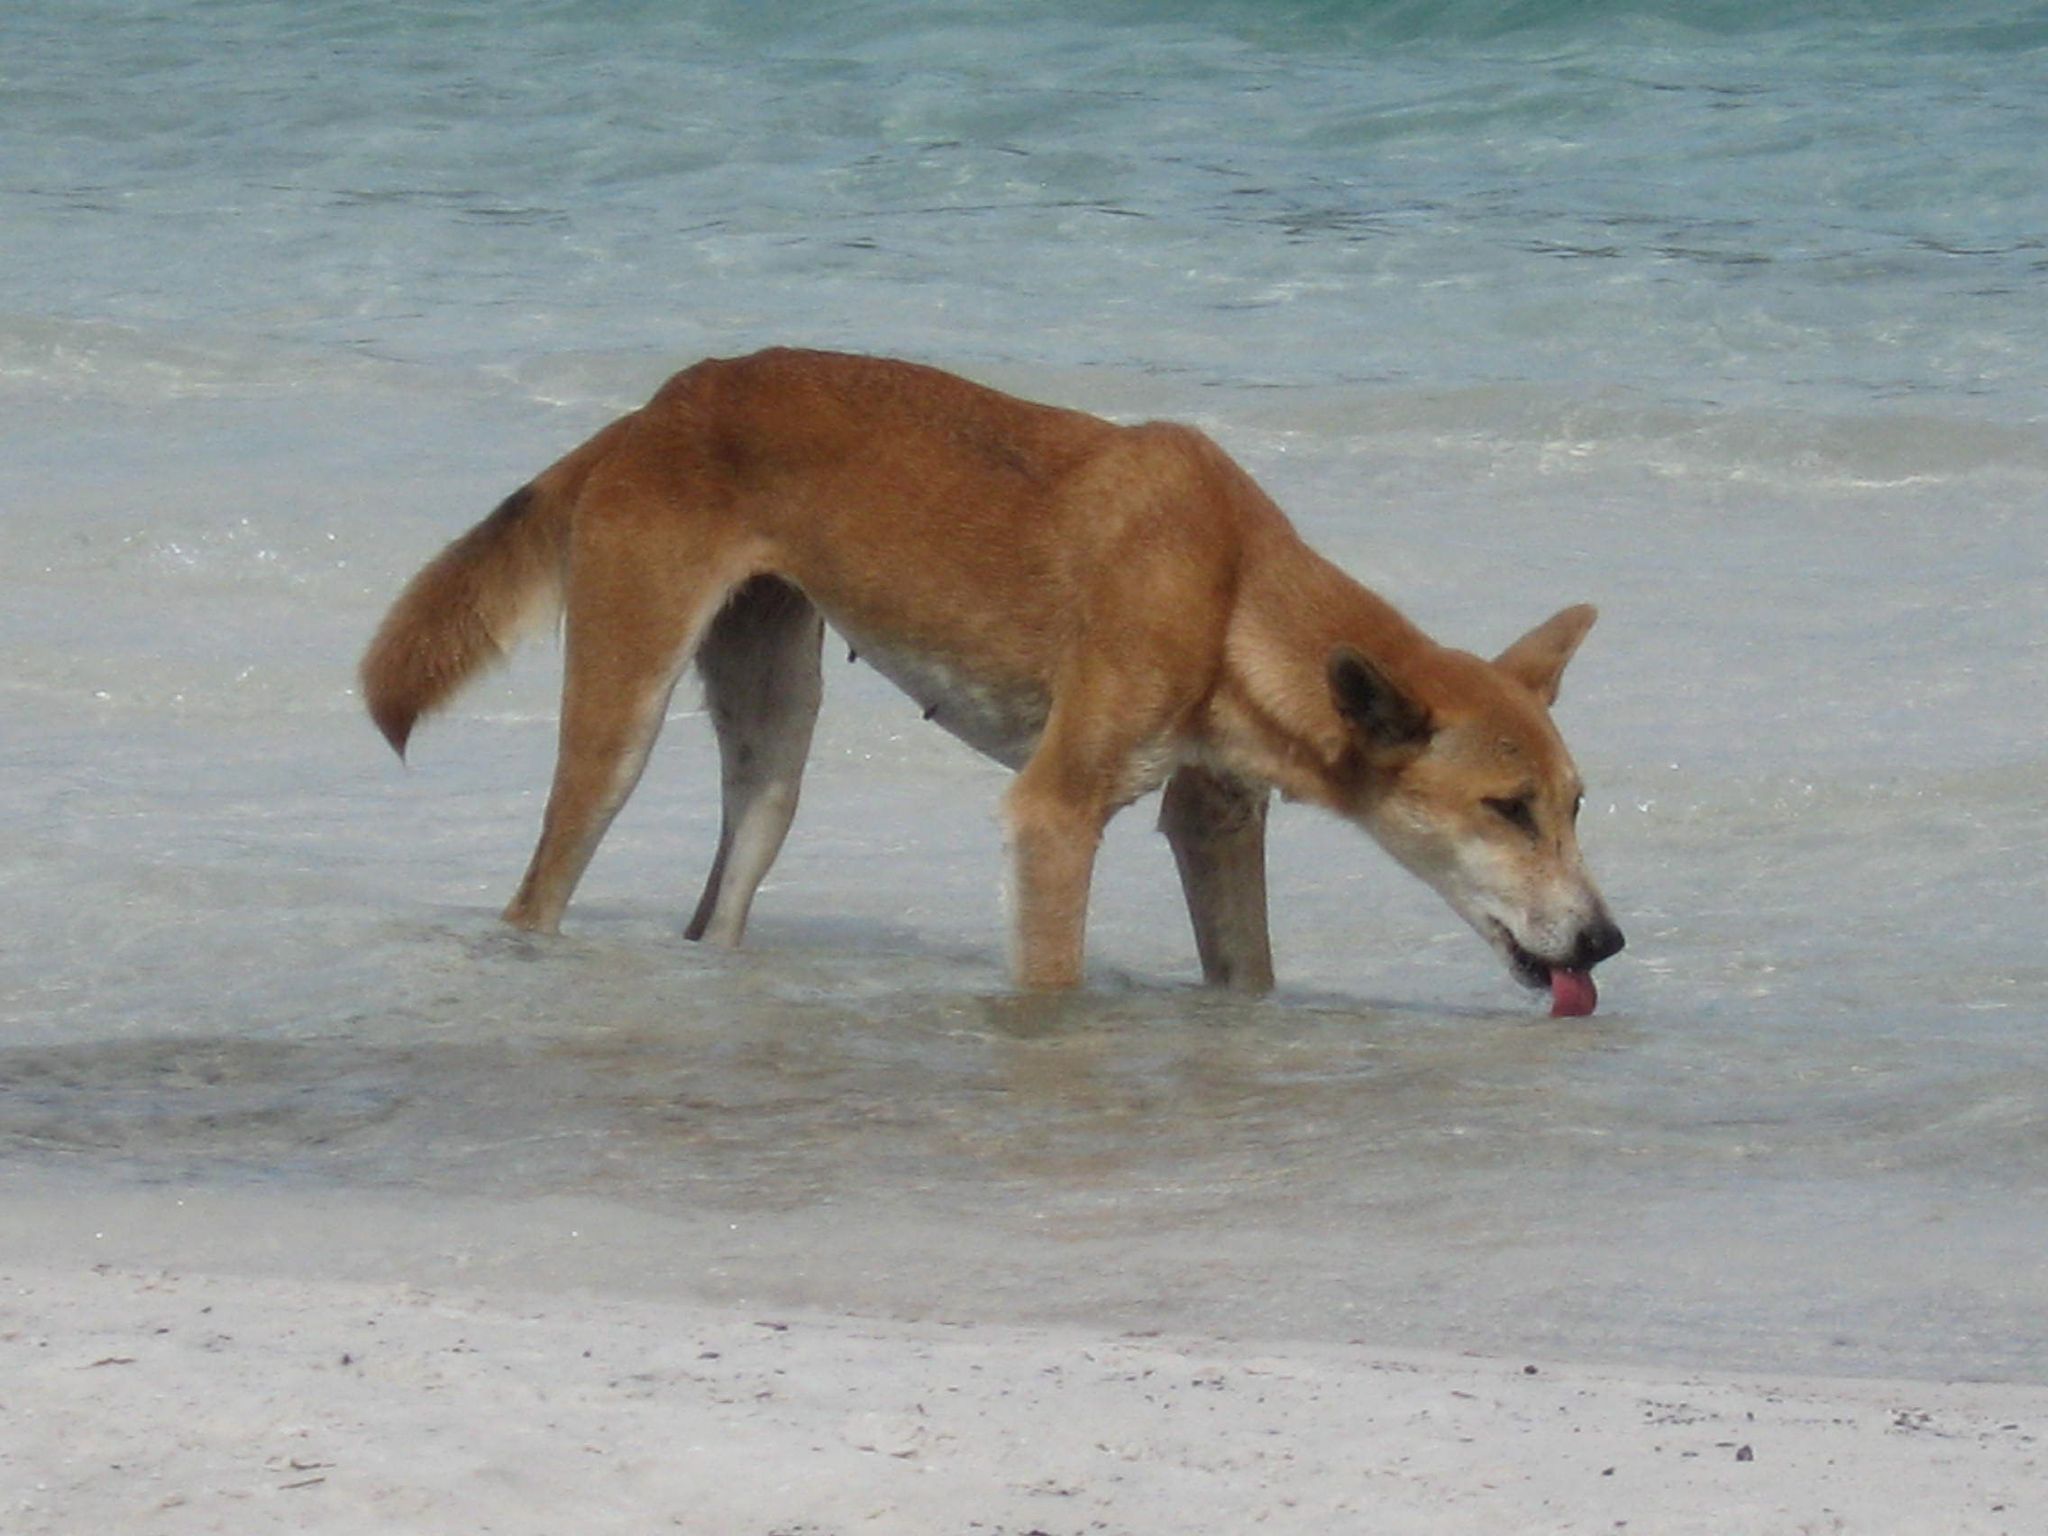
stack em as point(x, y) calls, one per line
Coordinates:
point(1000, 720)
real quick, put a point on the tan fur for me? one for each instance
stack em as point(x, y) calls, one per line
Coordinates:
point(1105, 609)
point(472, 602)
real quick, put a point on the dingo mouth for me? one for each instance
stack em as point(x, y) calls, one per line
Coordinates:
point(1530, 971)
point(1571, 989)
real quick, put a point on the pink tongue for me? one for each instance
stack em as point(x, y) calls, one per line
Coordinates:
point(1572, 994)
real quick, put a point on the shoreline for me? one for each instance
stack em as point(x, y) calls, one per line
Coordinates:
point(176, 1400)
point(208, 1358)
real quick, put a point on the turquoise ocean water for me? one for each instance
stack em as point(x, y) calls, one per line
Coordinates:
point(1834, 208)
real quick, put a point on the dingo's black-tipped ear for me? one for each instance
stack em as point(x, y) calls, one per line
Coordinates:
point(1537, 660)
point(1365, 697)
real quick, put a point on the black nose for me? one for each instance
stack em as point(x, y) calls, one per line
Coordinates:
point(1598, 941)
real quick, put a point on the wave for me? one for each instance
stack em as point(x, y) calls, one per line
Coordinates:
point(1984, 26)
point(1520, 427)
point(801, 26)
point(1541, 431)
point(1976, 26)
point(104, 359)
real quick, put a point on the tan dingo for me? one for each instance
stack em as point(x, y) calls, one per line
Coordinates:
point(1104, 609)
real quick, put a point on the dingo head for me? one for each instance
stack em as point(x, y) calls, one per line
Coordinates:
point(1467, 783)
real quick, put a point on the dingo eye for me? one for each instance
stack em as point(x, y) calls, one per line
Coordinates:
point(1518, 813)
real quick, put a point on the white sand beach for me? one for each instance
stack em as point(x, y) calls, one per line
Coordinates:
point(169, 1400)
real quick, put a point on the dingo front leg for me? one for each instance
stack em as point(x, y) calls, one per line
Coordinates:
point(1079, 776)
point(1217, 828)
point(1052, 853)
point(762, 685)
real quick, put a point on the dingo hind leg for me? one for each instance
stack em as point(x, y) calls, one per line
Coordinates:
point(762, 684)
point(644, 582)
point(1216, 826)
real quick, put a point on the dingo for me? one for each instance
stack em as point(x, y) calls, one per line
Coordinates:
point(1104, 609)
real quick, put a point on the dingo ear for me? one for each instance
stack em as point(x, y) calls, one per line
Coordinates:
point(1364, 696)
point(1537, 660)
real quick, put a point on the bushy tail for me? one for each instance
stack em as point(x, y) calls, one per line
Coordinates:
point(466, 609)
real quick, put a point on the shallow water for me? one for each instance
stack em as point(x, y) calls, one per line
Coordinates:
point(1431, 289)
point(1808, 1124)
